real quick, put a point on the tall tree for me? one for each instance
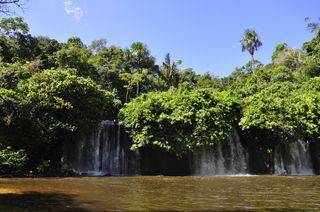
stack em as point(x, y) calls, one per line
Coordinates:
point(141, 61)
point(74, 54)
point(15, 41)
point(169, 71)
point(250, 42)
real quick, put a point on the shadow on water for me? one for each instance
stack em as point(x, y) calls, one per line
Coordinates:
point(36, 201)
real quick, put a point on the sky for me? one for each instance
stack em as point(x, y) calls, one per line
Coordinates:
point(204, 34)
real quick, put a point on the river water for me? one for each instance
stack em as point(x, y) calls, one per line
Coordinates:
point(218, 193)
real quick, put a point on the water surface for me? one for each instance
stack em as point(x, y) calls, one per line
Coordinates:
point(219, 193)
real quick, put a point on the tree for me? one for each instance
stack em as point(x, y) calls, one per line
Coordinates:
point(11, 75)
point(292, 58)
point(5, 5)
point(312, 62)
point(98, 45)
point(313, 27)
point(307, 107)
point(74, 54)
point(312, 47)
point(13, 26)
point(59, 99)
point(45, 47)
point(169, 71)
point(110, 63)
point(141, 60)
point(270, 109)
point(207, 80)
point(131, 79)
point(43, 109)
point(11, 161)
point(179, 120)
point(16, 43)
point(279, 48)
point(250, 42)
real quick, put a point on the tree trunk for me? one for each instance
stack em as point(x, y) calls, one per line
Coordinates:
point(138, 87)
point(252, 62)
point(127, 93)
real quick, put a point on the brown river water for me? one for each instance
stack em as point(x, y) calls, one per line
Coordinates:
point(161, 193)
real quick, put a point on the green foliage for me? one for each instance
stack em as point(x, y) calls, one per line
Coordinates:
point(130, 71)
point(178, 120)
point(270, 109)
point(43, 108)
point(13, 26)
point(45, 47)
point(11, 161)
point(312, 47)
point(311, 67)
point(59, 99)
point(292, 58)
point(208, 81)
point(109, 64)
point(279, 48)
point(307, 106)
point(9, 102)
point(74, 56)
point(16, 43)
point(169, 72)
point(11, 75)
point(43, 167)
point(250, 42)
point(50, 89)
point(98, 45)
point(285, 108)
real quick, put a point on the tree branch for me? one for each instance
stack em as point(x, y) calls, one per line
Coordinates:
point(5, 6)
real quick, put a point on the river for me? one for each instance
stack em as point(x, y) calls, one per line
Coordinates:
point(218, 193)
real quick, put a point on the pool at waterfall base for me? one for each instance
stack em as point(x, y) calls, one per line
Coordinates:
point(149, 193)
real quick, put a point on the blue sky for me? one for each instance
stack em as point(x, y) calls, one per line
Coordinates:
point(204, 34)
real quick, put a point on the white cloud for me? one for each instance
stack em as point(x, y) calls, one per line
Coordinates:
point(73, 10)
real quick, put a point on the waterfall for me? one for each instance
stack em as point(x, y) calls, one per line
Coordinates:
point(224, 158)
point(106, 151)
point(293, 158)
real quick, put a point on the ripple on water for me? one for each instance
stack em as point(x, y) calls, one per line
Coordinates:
point(162, 193)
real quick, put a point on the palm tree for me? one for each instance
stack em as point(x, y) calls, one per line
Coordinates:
point(169, 71)
point(250, 42)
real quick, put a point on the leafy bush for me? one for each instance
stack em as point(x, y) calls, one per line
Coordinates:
point(178, 120)
point(11, 161)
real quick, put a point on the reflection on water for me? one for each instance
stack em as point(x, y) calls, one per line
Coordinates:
point(161, 193)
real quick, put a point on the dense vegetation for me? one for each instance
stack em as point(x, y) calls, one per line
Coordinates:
point(51, 90)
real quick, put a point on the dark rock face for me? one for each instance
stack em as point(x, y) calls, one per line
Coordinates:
point(156, 161)
point(315, 155)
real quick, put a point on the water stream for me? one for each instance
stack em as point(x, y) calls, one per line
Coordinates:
point(293, 158)
point(106, 151)
point(224, 158)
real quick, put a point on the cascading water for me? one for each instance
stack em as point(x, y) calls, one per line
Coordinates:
point(224, 158)
point(104, 152)
point(293, 158)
